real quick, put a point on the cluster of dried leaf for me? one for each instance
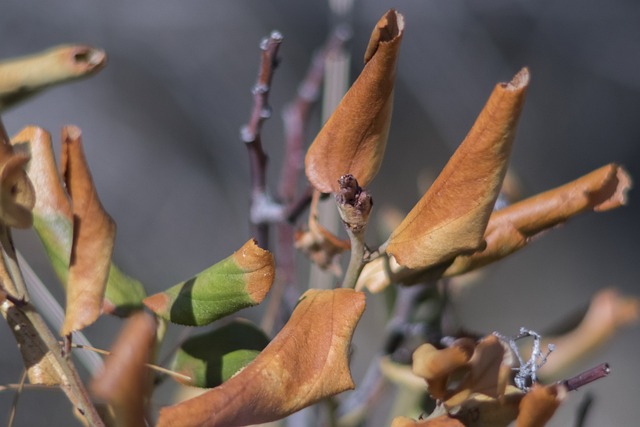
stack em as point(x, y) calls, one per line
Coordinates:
point(453, 229)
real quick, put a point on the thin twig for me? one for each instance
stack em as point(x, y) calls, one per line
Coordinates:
point(148, 365)
point(16, 397)
point(296, 120)
point(35, 340)
point(586, 377)
point(250, 134)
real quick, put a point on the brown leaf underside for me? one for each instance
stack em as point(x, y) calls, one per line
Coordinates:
point(354, 138)
point(93, 238)
point(513, 227)
point(124, 381)
point(306, 362)
point(450, 219)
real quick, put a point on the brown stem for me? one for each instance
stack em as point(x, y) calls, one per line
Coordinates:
point(250, 134)
point(296, 120)
point(41, 352)
point(586, 377)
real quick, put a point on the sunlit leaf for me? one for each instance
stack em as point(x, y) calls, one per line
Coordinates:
point(210, 359)
point(25, 76)
point(239, 281)
point(306, 362)
point(513, 227)
point(93, 238)
point(354, 138)
point(125, 381)
point(483, 411)
point(450, 219)
point(53, 220)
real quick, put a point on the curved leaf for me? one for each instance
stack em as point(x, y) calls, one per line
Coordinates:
point(306, 362)
point(125, 381)
point(239, 281)
point(17, 196)
point(354, 138)
point(538, 405)
point(93, 238)
point(450, 219)
point(26, 76)
point(212, 358)
point(53, 221)
point(513, 227)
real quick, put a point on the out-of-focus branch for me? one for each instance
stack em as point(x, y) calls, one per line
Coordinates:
point(23, 77)
point(263, 209)
point(296, 121)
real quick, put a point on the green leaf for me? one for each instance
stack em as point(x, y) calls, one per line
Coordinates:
point(239, 281)
point(212, 358)
point(124, 294)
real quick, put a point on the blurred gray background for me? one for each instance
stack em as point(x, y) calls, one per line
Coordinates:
point(161, 132)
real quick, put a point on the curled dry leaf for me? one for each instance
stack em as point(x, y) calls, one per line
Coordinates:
point(354, 138)
point(306, 362)
point(125, 380)
point(453, 374)
point(513, 227)
point(450, 219)
point(440, 421)
point(374, 276)
point(539, 404)
point(239, 281)
point(23, 77)
point(319, 244)
point(53, 220)
point(484, 411)
point(93, 238)
point(53, 216)
point(608, 312)
point(17, 196)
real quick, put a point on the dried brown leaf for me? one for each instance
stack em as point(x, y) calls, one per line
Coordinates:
point(17, 195)
point(450, 219)
point(43, 172)
point(93, 238)
point(431, 363)
point(125, 380)
point(441, 421)
point(539, 404)
point(319, 244)
point(306, 362)
point(484, 373)
point(483, 411)
point(354, 138)
point(608, 312)
point(511, 228)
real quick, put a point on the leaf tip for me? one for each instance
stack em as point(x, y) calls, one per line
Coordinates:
point(260, 266)
point(158, 303)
